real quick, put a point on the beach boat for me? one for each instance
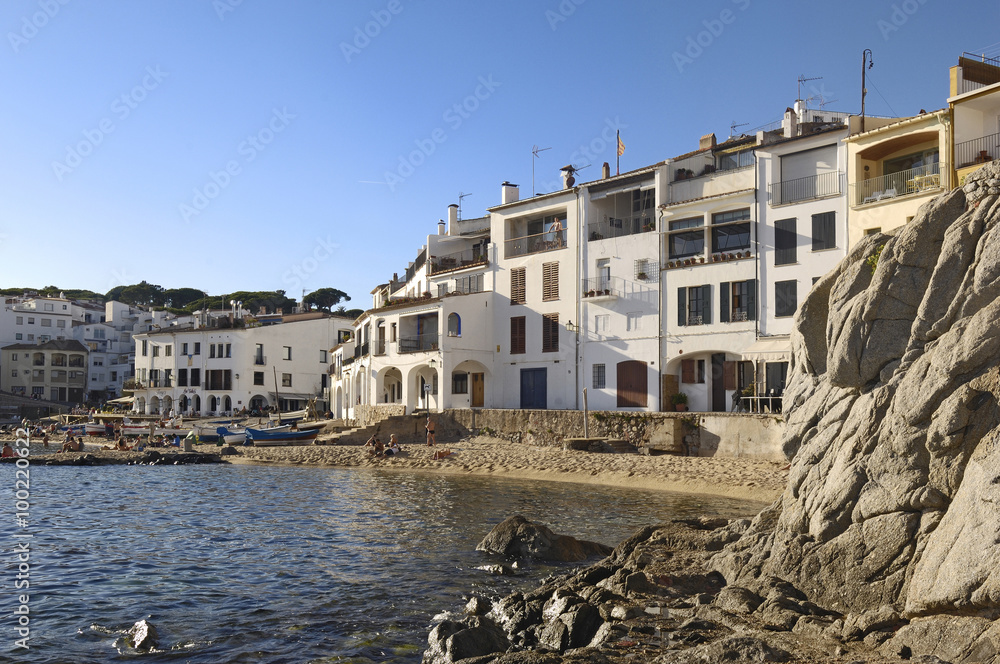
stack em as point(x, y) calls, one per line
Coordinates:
point(234, 436)
point(281, 436)
point(139, 430)
point(208, 431)
point(289, 417)
point(94, 428)
point(75, 429)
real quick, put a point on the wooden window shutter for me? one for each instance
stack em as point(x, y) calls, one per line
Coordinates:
point(751, 299)
point(724, 302)
point(517, 336)
point(517, 285)
point(550, 281)
point(550, 333)
point(687, 371)
point(682, 306)
point(706, 304)
point(729, 375)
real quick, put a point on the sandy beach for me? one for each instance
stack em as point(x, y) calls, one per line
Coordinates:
point(746, 479)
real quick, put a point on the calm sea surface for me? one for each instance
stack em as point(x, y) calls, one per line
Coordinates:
point(278, 564)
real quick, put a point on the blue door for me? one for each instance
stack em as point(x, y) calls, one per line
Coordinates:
point(533, 389)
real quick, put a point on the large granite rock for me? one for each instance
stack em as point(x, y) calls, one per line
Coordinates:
point(516, 537)
point(891, 516)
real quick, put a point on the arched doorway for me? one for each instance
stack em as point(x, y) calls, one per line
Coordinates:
point(168, 405)
point(338, 403)
point(213, 404)
point(184, 403)
point(197, 404)
point(227, 404)
point(154, 405)
point(140, 405)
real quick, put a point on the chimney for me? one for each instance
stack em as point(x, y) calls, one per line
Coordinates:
point(605, 171)
point(509, 193)
point(441, 227)
point(567, 176)
point(790, 123)
point(707, 141)
point(452, 217)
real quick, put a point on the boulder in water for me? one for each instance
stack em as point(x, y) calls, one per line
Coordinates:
point(142, 636)
point(516, 537)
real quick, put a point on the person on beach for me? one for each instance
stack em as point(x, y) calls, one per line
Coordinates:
point(377, 448)
point(430, 431)
point(45, 441)
point(8, 451)
point(71, 445)
point(122, 444)
point(441, 454)
point(393, 447)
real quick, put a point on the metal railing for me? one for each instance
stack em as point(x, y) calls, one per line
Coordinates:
point(807, 188)
point(473, 256)
point(601, 286)
point(610, 228)
point(417, 264)
point(417, 344)
point(910, 181)
point(978, 150)
point(260, 360)
point(380, 347)
point(533, 244)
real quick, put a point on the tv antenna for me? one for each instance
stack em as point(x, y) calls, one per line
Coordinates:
point(461, 195)
point(535, 150)
point(803, 79)
point(734, 125)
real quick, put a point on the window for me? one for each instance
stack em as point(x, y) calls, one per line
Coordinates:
point(442, 290)
point(258, 377)
point(873, 231)
point(156, 350)
point(517, 285)
point(98, 362)
point(550, 281)
point(692, 371)
point(694, 305)
point(517, 335)
point(454, 325)
point(182, 377)
point(470, 284)
point(46, 322)
point(686, 242)
point(550, 333)
point(13, 373)
point(61, 323)
point(229, 350)
point(18, 336)
point(169, 350)
point(31, 337)
point(602, 323)
point(785, 240)
point(145, 348)
point(211, 350)
point(733, 160)
point(167, 377)
point(47, 306)
point(98, 332)
point(154, 377)
point(599, 377)
point(20, 320)
point(322, 357)
point(731, 230)
point(195, 377)
point(824, 231)
point(286, 380)
point(459, 383)
point(197, 348)
point(633, 321)
point(220, 350)
point(785, 300)
point(287, 352)
point(31, 321)
point(184, 349)
point(737, 301)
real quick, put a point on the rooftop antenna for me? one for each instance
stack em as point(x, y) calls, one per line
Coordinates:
point(535, 150)
point(461, 195)
point(803, 79)
point(734, 125)
point(866, 59)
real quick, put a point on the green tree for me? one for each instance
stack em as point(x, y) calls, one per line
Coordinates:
point(324, 298)
point(179, 298)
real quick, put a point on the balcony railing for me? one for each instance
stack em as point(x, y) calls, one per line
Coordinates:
point(380, 347)
point(600, 230)
point(601, 287)
point(419, 343)
point(473, 256)
point(260, 360)
point(534, 244)
point(978, 150)
point(807, 188)
point(417, 264)
point(910, 181)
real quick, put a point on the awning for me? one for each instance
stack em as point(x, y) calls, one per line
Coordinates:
point(122, 400)
point(772, 349)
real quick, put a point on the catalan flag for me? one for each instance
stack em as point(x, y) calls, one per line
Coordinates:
point(621, 146)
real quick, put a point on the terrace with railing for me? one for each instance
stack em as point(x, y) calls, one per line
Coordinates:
point(534, 244)
point(417, 264)
point(978, 71)
point(418, 344)
point(460, 259)
point(620, 227)
point(903, 183)
point(807, 188)
point(977, 151)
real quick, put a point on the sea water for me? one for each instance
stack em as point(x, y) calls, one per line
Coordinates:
point(277, 564)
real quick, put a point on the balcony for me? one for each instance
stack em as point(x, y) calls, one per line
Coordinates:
point(379, 347)
point(467, 258)
point(260, 360)
point(918, 180)
point(977, 151)
point(535, 244)
point(412, 270)
point(601, 288)
point(807, 188)
point(712, 183)
point(612, 228)
point(418, 344)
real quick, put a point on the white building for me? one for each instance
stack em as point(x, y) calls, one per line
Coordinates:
point(196, 370)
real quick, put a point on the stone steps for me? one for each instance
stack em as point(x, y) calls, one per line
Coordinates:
point(622, 446)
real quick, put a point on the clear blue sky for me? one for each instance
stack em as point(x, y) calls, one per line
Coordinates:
point(247, 145)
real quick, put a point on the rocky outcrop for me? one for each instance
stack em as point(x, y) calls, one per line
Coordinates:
point(890, 514)
point(142, 636)
point(516, 537)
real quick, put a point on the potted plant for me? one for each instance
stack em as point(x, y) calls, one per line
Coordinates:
point(591, 293)
point(642, 276)
point(680, 401)
point(701, 259)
